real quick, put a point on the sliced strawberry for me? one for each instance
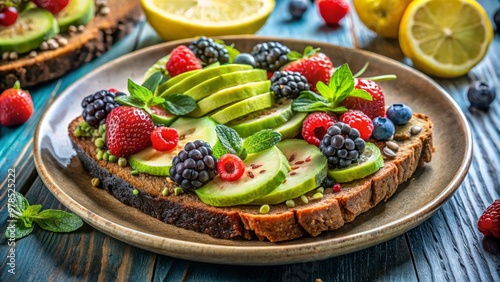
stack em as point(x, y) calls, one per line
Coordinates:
point(374, 108)
point(16, 106)
point(128, 131)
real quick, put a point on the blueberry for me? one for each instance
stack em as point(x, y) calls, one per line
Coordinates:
point(496, 19)
point(481, 95)
point(383, 128)
point(245, 59)
point(297, 8)
point(399, 113)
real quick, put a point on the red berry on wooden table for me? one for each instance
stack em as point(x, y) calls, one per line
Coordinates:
point(332, 11)
point(128, 131)
point(53, 6)
point(16, 106)
point(8, 16)
point(489, 222)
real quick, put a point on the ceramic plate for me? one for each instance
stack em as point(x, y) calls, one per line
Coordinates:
point(414, 202)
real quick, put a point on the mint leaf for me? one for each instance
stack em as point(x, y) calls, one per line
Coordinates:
point(232, 52)
point(17, 204)
point(58, 221)
point(340, 109)
point(179, 104)
point(153, 81)
point(309, 51)
point(360, 93)
point(342, 83)
point(261, 140)
point(230, 139)
point(155, 101)
point(218, 150)
point(310, 102)
point(139, 91)
point(325, 91)
point(130, 101)
point(294, 56)
point(29, 213)
point(21, 202)
point(17, 230)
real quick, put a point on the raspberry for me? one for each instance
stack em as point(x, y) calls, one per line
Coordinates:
point(230, 167)
point(489, 222)
point(315, 126)
point(372, 109)
point(194, 166)
point(360, 121)
point(182, 59)
point(164, 138)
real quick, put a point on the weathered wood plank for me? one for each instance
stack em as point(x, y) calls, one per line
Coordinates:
point(84, 255)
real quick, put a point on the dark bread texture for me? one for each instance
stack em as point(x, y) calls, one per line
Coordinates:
point(98, 37)
point(281, 223)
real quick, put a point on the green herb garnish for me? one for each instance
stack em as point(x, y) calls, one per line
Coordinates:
point(23, 215)
point(141, 96)
point(232, 142)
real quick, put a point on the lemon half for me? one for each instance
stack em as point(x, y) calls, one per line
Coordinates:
point(381, 16)
point(445, 38)
point(176, 19)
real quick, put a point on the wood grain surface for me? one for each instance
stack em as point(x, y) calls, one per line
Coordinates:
point(446, 247)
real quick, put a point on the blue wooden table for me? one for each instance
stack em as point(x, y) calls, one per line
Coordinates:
point(447, 247)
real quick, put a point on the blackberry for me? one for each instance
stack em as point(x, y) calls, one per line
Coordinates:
point(209, 51)
point(342, 145)
point(288, 84)
point(270, 56)
point(97, 106)
point(194, 166)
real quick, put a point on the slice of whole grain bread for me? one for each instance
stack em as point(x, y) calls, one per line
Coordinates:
point(282, 222)
point(97, 37)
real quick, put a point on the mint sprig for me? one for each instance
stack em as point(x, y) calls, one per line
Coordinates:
point(232, 143)
point(340, 87)
point(142, 97)
point(25, 215)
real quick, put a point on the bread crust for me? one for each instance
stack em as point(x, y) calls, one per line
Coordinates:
point(98, 37)
point(281, 223)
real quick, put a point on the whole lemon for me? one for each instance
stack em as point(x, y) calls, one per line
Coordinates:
point(381, 16)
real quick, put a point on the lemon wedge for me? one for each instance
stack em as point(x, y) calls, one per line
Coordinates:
point(176, 19)
point(381, 16)
point(445, 38)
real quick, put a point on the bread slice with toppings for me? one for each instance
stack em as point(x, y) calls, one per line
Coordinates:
point(282, 222)
point(83, 46)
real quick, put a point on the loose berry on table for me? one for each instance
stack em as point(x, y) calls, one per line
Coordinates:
point(181, 60)
point(164, 138)
point(489, 222)
point(209, 51)
point(297, 8)
point(316, 125)
point(383, 128)
point(287, 84)
point(333, 11)
point(270, 55)
point(399, 114)
point(230, 167)
point(358, 120)
point(194, 166)
point(16, 106)
point(481, 95)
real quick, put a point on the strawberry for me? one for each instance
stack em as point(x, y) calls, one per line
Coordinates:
point(128, 131)
point(53, 6)
point(182, 59)
point(372, 109)
point(314, 65)
point(332, 11)
point(16, 106)
point(489, 222)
